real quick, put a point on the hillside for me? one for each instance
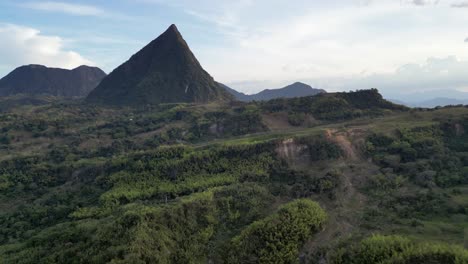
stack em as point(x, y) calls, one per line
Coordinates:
point(313, 177)
point(40, 80)
point(164, 71)
point(293, 90)
point(296, 89)
point(237, 95)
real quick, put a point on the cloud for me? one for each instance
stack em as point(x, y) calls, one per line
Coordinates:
point(466, 40)
point(23, 45)
point(460, 5)
point(437, 77)
point(346, 41)
point(420, 2)
point(67, 8)
point(335, 45)
point(435, 74)
point(223, 15)
point(74, 10)
point(423, 2)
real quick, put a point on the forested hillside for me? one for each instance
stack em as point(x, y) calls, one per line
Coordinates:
point(333, 178)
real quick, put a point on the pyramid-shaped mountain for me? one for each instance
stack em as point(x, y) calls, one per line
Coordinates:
point(165, 71)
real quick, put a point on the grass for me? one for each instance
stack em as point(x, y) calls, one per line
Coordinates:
point(345, 208)
point(383, 124)
point(461, 195)
point(437, 230)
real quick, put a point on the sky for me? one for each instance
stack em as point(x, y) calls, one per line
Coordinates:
point(401, 47)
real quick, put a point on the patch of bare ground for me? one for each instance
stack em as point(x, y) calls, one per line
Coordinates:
point(276, 121)
point(28, 146)
point(344, 209)
point(150, 134)
point(92, 143)
point(280, 121)
point(350, 141)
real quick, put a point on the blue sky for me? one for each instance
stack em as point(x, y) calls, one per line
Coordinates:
point(398, 46)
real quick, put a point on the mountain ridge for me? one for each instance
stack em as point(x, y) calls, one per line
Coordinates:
point(35, 79)
point(297, 89)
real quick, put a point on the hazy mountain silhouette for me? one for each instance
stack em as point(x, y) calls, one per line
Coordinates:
point(41, 80)
point(237, 95)
point(164, 71)
point(296, 89)
point(430, 98)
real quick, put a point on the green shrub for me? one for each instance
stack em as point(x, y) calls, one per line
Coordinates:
point(296, 119)
point(320, 148)
point(278, 238)
point(400, 250)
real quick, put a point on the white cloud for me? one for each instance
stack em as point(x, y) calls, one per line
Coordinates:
point(460, 5)
point(436, 77)
point(72, 9)
point(335, 44)
point(332, 45)
point(23, 45)
point(421, 2)
point(75, 10)
point(446, 73)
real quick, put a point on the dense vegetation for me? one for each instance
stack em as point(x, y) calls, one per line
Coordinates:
point(173, 195)
point(280, 236)
point(334, 107)
point(184, 183)
point(397, 249)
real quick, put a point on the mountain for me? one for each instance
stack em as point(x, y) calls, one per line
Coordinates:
point(296, 89)
point(41, 80)
point(434, 102)
point(440, 101)
point(238, 95)
point(164, 71)
point(430, 98)
point(396, 101)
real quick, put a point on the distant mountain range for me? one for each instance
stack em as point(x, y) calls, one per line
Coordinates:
point(429, 99)
point(164, 71)
point(41, 80)
point(431, 103)
point(296, 89)
point(441, 101)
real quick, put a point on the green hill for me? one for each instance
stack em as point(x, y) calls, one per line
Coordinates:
point(334, 178)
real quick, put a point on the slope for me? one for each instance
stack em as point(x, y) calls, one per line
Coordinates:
point(40, 80)
point(164, 71)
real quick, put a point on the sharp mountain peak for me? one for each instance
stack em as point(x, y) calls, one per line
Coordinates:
point(164, 71)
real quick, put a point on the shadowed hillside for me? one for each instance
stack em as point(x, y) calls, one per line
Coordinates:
point(165, 71)
point(40, 80)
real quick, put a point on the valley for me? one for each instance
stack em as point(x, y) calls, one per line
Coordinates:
point(196, 176)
